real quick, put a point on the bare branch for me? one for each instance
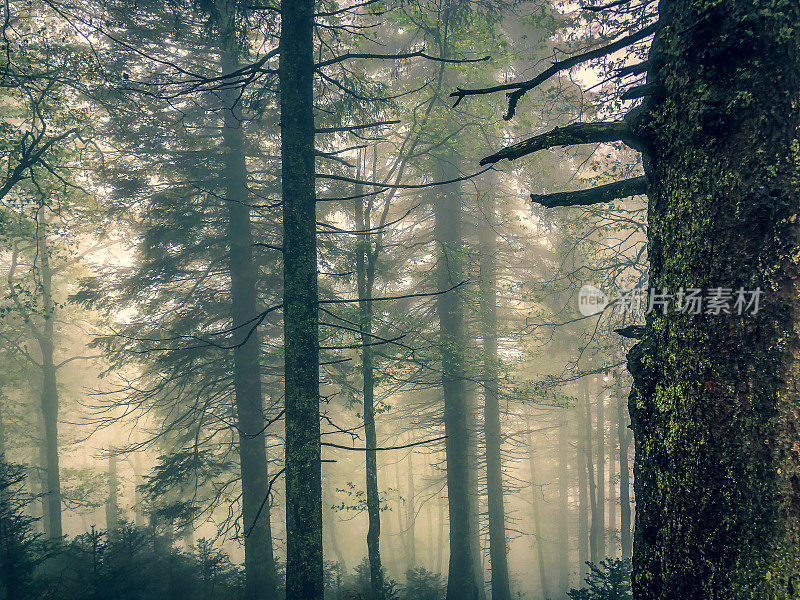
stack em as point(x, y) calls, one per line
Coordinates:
point(342, 447)
point(521, 88)
point(357, 127)
point(635, 186)
point(399, 56)
point(640, 91)
point(578, 133)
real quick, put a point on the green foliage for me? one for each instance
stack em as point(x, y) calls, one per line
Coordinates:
point(134, 563)
point(421, 584)
point(19, 544)
point(610, 581)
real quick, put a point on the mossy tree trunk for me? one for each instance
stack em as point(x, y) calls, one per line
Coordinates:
point(714, 404)
point(304, 574)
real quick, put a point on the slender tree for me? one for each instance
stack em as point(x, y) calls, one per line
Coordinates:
point(491, 408)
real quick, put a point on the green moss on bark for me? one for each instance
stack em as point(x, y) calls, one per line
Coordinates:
point(715, 403)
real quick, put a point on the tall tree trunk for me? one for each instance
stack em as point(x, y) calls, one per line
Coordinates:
point(600, 431)
point(402, 513)
point(563, 508)
point(112, 501)
point(612, 485)
point(138, 508)
point(365, 277)
point(498, 551)
point(304, 574)
point(583, 491)
point(39, 481)
point(329, 527)
point(49, 387)
point(714, 405)
point(461, 581)
point(535, 500)
point(411, 512)
point(440, 536)
point(429, 530)
point(476, 549)
point(594, 530)
point(261, 580)
point(624, 437)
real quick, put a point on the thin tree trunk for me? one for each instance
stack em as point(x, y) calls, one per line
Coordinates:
point(429, 530)
point(138, 509)
point(563, 509)
point(261, 579)
point(365, 275)
point(583, 490)
point(535, 499)
point(112, 502)
point(612, 484)
point(600, 431)
point(498, 550)
point(476, 549)
point(411, 512)
point(594, 531)
point(440, 544)
point(402, 524)
point(329, 528)
point(304, 572)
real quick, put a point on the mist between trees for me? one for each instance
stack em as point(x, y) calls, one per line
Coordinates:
point(292, 293)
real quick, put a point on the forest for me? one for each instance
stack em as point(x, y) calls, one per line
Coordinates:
point(400, 300)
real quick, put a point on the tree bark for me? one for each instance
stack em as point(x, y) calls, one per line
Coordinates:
point(304, 572)
point(498, 550)
point(714, 404)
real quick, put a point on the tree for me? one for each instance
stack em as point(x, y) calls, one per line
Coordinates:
point(716, 504)
point(304, 566)
point(609, 581)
